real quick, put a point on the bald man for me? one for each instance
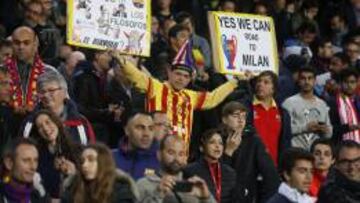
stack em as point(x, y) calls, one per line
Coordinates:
point(25, 66)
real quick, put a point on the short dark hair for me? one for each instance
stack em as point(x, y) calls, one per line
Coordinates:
point(183, 15)
point(291, 156)
point(135, 113)
point(307, 69)
point(346, 144)
point(208, 134)
point(273, 78)
point(307, 4)
point(346, 73)
point(222, 3)
point(10, 149)
point(343, 57)
point(231, 107)
point(176, 29)
point(323, 141)
point(307, 27)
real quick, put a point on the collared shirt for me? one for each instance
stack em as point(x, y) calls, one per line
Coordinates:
point(267, 122)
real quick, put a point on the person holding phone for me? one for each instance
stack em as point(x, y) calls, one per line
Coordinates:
point(169, 184)
point(57, 154)
point(219, 177)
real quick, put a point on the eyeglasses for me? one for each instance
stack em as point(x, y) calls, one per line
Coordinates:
point(347, 162)
point(51, 91)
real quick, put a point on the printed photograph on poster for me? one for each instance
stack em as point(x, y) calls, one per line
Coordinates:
point(123, 25)
point(243, 42)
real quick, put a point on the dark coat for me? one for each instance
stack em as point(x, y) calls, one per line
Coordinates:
point(124, 191)
point(278, 198)
point(9, 125)
point(89, 94)
point(256, 172)
point(339, 189)
point(228, 178)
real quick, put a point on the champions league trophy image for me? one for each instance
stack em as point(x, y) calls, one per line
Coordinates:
point(229, 46)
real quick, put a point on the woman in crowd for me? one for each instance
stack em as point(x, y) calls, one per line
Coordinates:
point(98, 180)
point(57, 154)
point(219, 177)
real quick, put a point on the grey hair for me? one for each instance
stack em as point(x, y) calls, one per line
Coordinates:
point(51, 76)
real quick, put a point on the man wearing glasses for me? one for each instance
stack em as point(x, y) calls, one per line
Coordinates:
point(53, 95)
point(344, 186)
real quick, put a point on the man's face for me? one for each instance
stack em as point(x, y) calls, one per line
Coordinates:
point(162, 126)
point(188, 24)
point(326, 51)
point(349, 85)
point(264, 87)
point(306, 81)
point(164, 4)
point(307, 37)
point(25, 163)
point(47, 7)
point(348, 163)
point(301, 175)
point(336, 64)
point(336, 24)
point(4, 87)
point(353, 51)
point(173, 157)
point(34, 12)
point(228, 7)
point(180, 39)
point(24, 45)
point(140, 131)
point(179, 79)
point(323, 157)
point(5, 52)
point(52, 96)
point(235, 121)
point(261, 10)
point(103, 60)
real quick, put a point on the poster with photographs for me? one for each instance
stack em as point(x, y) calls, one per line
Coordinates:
point(123, 25)
point(243, 42)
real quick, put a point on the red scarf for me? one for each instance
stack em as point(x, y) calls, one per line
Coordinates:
point(215, 172)
point(348, 115)
point(20, 98)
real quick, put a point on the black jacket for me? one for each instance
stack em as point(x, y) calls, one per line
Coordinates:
point(124, 190)
point(339, 189)
point(256, 172)
point(89, 94)
point(228, 178)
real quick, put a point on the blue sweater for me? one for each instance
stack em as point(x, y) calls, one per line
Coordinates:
point(136, 162)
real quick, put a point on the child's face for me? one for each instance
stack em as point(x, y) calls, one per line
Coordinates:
point(4, 87)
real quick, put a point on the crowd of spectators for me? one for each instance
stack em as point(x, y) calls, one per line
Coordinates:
point(93, 126)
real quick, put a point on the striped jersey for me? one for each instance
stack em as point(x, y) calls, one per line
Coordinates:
point(178, 105)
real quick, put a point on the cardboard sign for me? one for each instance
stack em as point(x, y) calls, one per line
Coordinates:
point(123, 25)
point(243, 42)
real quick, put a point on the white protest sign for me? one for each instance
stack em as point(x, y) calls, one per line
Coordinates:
point(243, 42)
point(123, 25)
